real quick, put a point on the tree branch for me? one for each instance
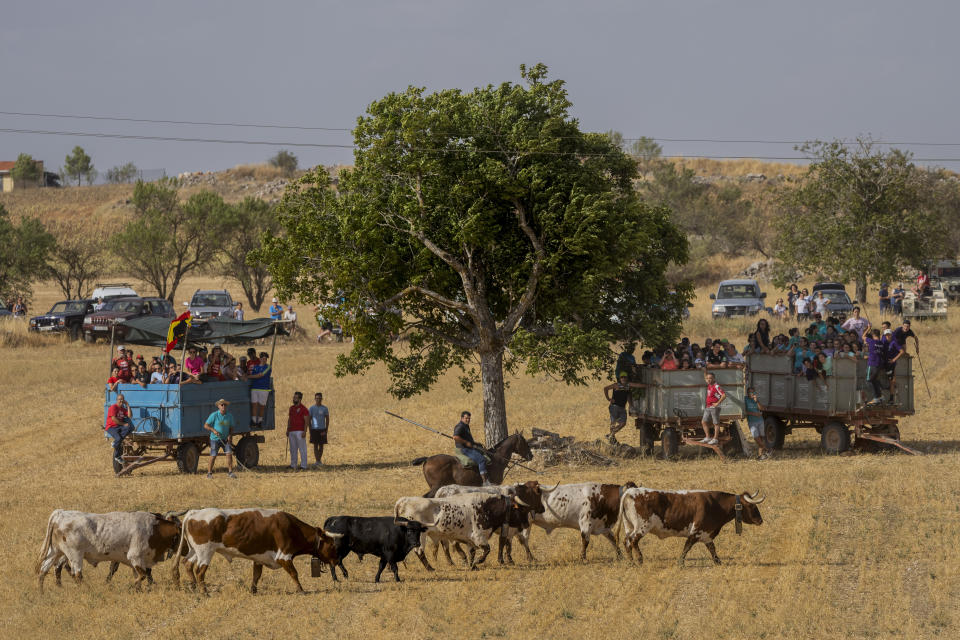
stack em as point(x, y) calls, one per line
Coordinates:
point(513, 318)
point(433, 295)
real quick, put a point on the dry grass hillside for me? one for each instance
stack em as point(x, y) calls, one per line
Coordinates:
point(851, 547)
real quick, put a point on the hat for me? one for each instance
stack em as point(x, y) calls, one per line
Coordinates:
point(887, 332)
point(121, 348)
point(274, 300)
point(222, 401)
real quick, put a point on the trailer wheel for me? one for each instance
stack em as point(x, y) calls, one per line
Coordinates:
point(774, 430)
point(835, 438)
point(670, 439)
point(247, 452)
point(647, 439)
point(188, 457)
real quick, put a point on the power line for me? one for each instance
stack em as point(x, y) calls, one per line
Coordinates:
point(274, 143)
point(345, 129)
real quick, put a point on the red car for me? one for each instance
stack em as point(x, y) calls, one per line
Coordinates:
point(99, 323)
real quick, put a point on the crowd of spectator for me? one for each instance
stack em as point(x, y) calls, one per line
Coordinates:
point(198, 367)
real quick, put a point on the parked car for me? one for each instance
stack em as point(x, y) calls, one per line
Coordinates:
point(737, 298)
point(65, 316)
point(948, 272)
point(210, 303)
point(924, 307)
point(99, 323)
point(4, 312)
point(107, 291)
point(840, 303)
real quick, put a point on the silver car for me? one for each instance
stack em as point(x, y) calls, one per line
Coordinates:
point(210, 303)
point(737, 298)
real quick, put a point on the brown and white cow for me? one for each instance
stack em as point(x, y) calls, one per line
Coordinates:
point(134, 538)
point(697, 516)
point(589, 507)
point(470, 518)
point(268, 537)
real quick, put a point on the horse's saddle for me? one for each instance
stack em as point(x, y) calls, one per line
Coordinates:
point(464, 460)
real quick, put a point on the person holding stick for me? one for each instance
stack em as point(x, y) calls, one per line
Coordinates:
point(220, 424)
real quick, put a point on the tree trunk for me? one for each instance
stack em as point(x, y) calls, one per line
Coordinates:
point(494, 402)
point(861, 290)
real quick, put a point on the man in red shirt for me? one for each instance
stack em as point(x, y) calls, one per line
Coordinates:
point(715, 395)
point(118, 426)
point(123, 362)
point(296, 423)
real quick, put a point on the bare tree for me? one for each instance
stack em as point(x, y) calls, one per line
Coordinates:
point(78, 260)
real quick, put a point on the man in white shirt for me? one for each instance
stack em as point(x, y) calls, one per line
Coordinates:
point(821, 302)
point(803, 305)
point(238, 312)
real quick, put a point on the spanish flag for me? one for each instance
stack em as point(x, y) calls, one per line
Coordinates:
point(178, 329)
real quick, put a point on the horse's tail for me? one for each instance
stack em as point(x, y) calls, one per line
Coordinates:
point(419, 461)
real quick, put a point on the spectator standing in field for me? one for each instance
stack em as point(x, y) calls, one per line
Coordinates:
point(319, 423)
point(238, 312)
point(220, 424)
point(792, 296)
point(275, 310)
point(626, 361)
point(803, 306)
point(896, 300)
point(780, 310)
point(901, 333)
point(821, 303)
point(118, 426)
point(19, 307)
point(711, 412)
point(297, 418)
point(290, 317)
point(618, 396)
point(259, 378)
point(883, 299)
point(754, 411)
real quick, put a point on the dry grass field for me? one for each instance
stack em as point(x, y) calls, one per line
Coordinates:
point(864, 546)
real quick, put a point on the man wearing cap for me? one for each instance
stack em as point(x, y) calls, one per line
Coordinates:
point(220, 424)
point(259, 378)
point(276, 310)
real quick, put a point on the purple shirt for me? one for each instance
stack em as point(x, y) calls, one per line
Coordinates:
point(874, 352)
point(892, 348)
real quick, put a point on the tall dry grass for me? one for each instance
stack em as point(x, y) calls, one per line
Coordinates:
point(851, 547)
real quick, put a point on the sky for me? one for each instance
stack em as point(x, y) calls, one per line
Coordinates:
point(725, 71)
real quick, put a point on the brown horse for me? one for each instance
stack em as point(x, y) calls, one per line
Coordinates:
point(441, 469)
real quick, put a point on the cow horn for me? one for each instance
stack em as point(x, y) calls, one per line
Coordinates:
point(334, 535)
point(752, 499)
point(545, 490)
point(755, 494)
point(520, 502)
point(174, 514)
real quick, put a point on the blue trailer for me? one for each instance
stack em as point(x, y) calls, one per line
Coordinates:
point(168, 419)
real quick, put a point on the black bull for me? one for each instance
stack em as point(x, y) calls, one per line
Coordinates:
point(381, 537)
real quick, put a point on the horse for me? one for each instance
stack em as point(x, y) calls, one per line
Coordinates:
point(441, 469)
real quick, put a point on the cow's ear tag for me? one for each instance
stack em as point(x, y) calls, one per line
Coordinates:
point(316, 567)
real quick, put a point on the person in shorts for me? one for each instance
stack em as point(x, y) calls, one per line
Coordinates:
point(319, 423)
point(259, 378)
point(711, 413)
point(754, 411)
point(220, 424)
point(618, 395)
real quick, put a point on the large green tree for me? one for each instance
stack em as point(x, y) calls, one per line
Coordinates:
point(247, 222)
point(78, 165)
point(25, 247)
point(492, 231)
point(859, 213)
point(167, 239)
point(26, 170)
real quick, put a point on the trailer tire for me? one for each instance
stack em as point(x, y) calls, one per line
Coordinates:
point(835, 438)
point(647, 439)
point(774, 430)
point(670, 439)
point(188, 457)
point(247, 452)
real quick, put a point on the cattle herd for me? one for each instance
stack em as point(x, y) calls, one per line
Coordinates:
point(456, 515)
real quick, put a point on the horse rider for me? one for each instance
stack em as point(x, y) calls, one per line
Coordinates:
point(468, 447)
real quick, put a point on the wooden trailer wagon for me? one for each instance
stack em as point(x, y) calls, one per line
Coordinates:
point(669, 408)
point(835, 408)
point(168, 419)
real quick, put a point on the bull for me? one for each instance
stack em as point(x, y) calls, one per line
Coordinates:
point(589, 507)
point(382, 537)
point(697, 516)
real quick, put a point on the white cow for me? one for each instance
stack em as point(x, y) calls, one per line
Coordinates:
point(589, 507)
point(506, 534)
point(134, 538)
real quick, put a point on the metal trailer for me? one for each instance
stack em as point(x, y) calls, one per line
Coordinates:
point(669, 408)
point(831, 407)
point(168, 419)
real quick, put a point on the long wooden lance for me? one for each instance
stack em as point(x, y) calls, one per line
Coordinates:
point(440, 433)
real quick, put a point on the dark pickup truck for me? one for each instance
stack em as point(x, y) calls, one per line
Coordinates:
point(115, 311)
point(65, 316)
